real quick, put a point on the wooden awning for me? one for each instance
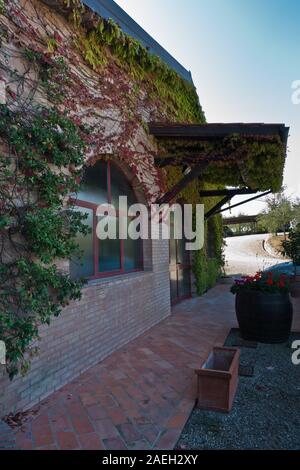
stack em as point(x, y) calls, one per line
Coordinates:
point(245, 156)
point(185, 143)
point(216, 130)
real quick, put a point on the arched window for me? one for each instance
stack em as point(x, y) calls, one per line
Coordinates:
point(104, 183)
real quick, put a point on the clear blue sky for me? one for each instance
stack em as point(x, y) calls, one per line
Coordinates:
point(243, 55)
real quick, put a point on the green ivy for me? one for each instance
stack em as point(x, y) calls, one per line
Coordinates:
point(177, 97)
point(53, 71)
point(261, 170)
point(258, 164)
point(107, 40)
point(51, 234)
point(37, 225)
point(291, 247)
point(2, 7)
point(30, 295)
point(207, 269)
point(206, 272)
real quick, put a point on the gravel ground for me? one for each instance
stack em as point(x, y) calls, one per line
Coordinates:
point(266, 411)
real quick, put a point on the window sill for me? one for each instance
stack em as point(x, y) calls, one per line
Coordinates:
point(117, 278)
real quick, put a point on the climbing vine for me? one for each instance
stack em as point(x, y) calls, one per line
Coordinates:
point(254, 162)
point(41, 161)
point(37, 225)
point(106, 39)
point(208, 262)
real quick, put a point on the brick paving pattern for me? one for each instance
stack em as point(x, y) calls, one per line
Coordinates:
point(141, 396)
point(7, 437)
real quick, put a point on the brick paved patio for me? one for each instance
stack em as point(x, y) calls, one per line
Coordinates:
point(7, 438)
point(141, 396)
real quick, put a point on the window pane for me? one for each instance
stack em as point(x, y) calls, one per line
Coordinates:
point(109, 255)
point(110, 252)
point(94, 184)
point(132, 254)
point(84, 267)
point(120, 187)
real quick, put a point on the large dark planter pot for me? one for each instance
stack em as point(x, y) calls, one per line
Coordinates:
point(263, 317)
point(295, 287)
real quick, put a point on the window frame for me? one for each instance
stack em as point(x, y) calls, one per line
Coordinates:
point(96, 241)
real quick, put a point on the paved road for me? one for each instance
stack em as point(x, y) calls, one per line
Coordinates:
point(246, 255)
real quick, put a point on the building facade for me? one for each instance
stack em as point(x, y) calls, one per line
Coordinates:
point(128, 289)
point(82, 85)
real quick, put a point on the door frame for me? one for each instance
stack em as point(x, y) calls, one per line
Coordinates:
point(177, 267)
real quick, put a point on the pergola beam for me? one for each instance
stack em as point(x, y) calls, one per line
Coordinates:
point(217, 209)
point(217, 130)
point(187, 158)
point(218, 206)
point(194, 173)
point(244, 202)
point(227, 192)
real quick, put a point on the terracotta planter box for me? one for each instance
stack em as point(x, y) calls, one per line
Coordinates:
point(218, 380)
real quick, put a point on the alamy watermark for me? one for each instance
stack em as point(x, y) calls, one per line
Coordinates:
point(160, 222)
point(2, 353)
point(296, 353)
point(296, 92)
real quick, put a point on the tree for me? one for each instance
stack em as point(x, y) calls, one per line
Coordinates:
point(227, 231)
point(291, 247)
point(296, 207)
point(279, 214)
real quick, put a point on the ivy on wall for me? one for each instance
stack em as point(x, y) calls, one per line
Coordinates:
point(256, 162)
point(262, 169)
point(106, 40)
point(38, 169)
point(208, 262)
point(176, 98)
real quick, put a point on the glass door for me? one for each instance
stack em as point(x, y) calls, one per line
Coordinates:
point(180, 271)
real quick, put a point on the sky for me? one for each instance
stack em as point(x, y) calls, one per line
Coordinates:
point(244, 56)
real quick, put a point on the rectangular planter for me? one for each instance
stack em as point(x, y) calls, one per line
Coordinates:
point(218, 380)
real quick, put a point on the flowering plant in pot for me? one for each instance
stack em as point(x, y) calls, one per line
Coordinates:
point(291, 248)
point(263, 307)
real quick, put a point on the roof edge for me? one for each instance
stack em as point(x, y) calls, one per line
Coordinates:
point(110, 9)
point(218, 130)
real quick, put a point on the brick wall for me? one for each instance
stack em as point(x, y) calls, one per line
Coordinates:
point(111, 313)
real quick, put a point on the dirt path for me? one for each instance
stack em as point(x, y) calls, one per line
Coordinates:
point(246, 255)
